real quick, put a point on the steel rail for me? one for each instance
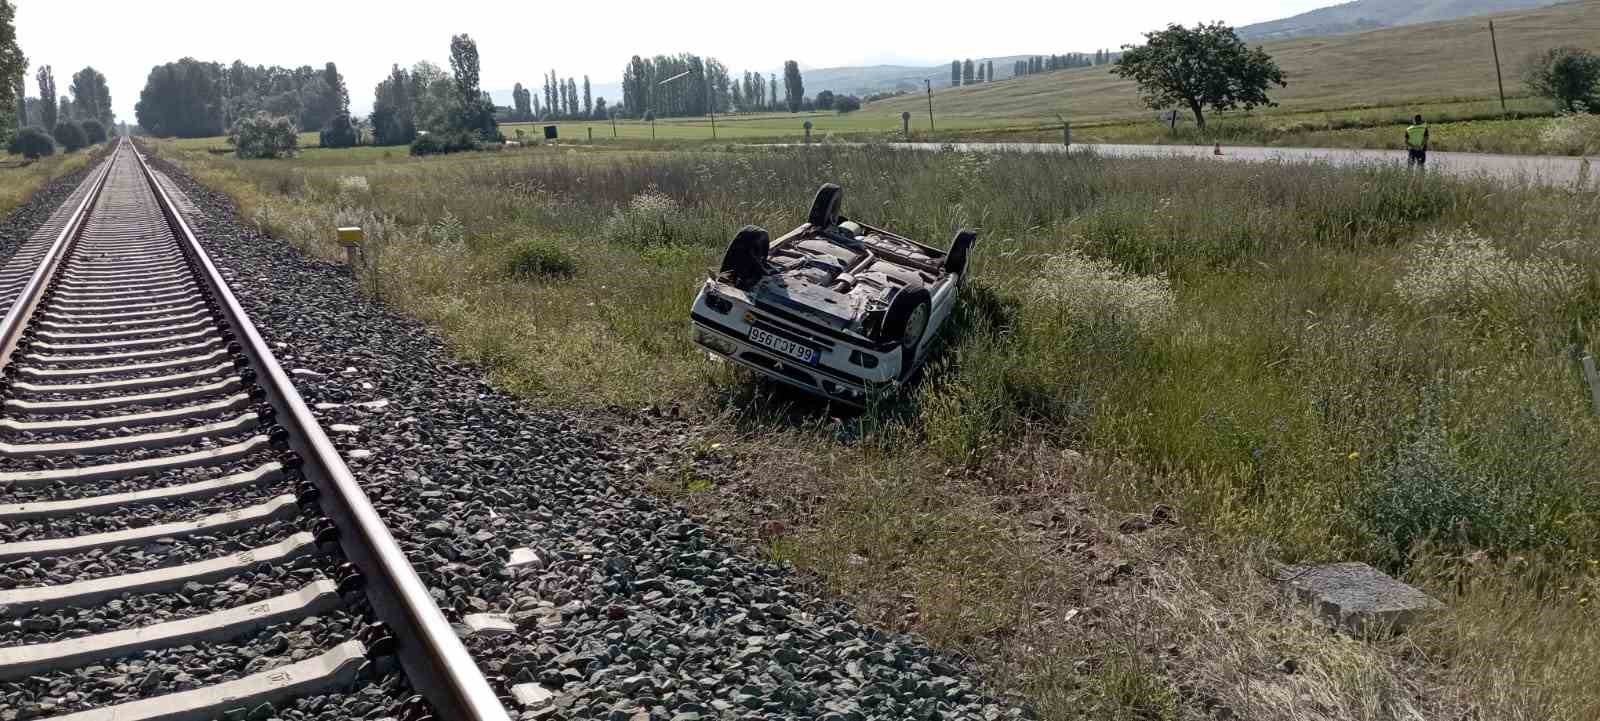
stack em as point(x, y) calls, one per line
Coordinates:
point(16, 318)
point(435, 661)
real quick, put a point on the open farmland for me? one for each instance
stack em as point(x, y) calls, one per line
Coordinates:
point(1402, 67)
point(1304, 362)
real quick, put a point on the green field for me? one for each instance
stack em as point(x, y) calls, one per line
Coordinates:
point(1304, 362)
point(19, 178)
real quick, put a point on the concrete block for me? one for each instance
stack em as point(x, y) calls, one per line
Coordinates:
point(489, 624)
point(532, 695)
point(1356, 596)
point(524, 557)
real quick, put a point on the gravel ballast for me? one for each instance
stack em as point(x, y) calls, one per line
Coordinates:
point(631, 610)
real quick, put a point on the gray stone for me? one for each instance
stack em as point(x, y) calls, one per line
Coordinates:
point(490, 624)
point(532, 695)
point(1357, 596)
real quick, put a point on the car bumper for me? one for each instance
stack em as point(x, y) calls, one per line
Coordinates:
point(832, 375)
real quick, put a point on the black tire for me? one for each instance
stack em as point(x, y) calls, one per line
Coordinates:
point(825, 208)
point(956, 261)
point(746, 258)
point(898, 318)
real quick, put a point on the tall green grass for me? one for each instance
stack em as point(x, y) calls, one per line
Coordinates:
point(1284, 383)
point(1343, 364)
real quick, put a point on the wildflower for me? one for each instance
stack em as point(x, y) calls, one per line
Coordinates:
point(1088, 288)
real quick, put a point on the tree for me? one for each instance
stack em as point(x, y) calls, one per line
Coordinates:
point(600, 112)
point(845, 103)
point(955, 73)
point(31, 143)
point(264, 136)
point(181, 99)
point(588, 99)
point(13, 64)
point(1204, 67)
point(991, 70)
point(824, 100)
point(91, 98)
point(93, 131)
point(340, 132)
point(475, 114)
point(47, 97)
point(772, 89)
point(968, 74)
point(982, 73)
point(434, 94)
point(1570, 76)
point(71, 136)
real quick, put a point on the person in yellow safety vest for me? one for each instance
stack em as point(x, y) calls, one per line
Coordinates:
point(1417, 143)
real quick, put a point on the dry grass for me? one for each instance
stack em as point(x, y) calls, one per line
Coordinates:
point(1405, 67)
point(17, 182)
point(1251, 361)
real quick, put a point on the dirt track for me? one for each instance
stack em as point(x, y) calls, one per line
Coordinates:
point(1532, 169)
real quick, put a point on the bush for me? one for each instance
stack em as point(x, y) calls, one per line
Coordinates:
point(340, 132)
point(847, 104)
point(540, 258)
point(264, 136)
point(71, 136)
point(454, 141)
point(32, 143)
point(94, 132)
point(1569, 76)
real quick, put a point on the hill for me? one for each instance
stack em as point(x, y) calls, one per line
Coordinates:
point(1396, 66)
point(871, 79)
point(1363, 15)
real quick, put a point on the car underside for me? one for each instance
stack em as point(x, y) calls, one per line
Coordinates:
point(836, 307)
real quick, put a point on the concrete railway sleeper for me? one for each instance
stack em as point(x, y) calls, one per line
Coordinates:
point(132, 379)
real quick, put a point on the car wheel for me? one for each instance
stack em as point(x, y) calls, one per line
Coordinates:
point(906, 321)
point(746, 258)
point(825, 208)
point(956, 261)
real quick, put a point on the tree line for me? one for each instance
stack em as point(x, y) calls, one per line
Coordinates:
point(194, 99)
point(32, 126)
point(561, 101)
point(685, 85)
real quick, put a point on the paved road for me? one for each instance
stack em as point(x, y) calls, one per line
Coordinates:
point(1533, 169)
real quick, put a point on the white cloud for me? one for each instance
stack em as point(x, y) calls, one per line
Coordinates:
point(520, 41)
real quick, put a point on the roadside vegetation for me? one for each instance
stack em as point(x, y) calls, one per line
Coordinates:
point(1299, 362)
point(20, 178)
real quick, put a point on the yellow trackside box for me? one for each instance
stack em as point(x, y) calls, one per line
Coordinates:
point(350, 236)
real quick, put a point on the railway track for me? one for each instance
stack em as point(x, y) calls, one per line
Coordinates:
point(178, 537)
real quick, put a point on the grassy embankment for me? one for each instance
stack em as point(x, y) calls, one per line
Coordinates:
point(1305, 363)
point(18, 181)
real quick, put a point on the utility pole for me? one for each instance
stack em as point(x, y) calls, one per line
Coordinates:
point(929, 83)
point(1494, 43)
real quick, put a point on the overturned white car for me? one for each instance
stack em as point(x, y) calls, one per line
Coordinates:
point(836, 307)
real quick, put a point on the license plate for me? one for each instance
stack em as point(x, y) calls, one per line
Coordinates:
point(782, 345)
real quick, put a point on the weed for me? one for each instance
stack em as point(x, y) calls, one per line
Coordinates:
point(540, 258)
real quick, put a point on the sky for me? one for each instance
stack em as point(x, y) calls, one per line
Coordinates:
point(125, 40)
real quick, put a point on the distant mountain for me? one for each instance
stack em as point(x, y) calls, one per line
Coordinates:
point(1364, 15)
point(871, 79)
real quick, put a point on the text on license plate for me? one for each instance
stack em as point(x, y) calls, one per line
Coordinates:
point(782, 345)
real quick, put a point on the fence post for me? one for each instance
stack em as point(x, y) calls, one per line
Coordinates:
point(1066, 134)
point(905, 124)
